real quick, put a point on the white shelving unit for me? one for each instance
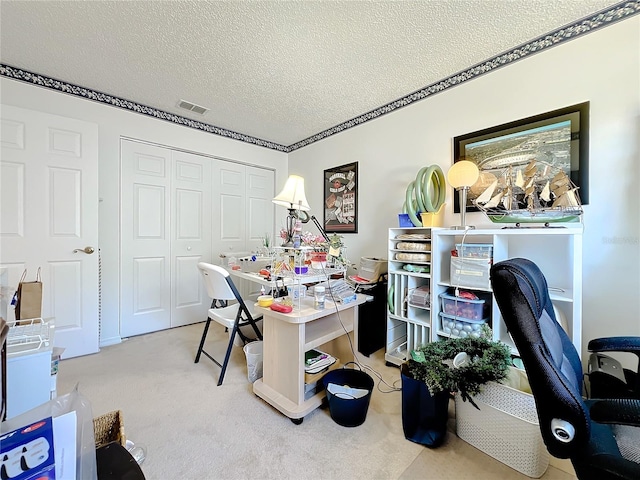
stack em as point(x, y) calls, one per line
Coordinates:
point(408, 324)
point(556, 250)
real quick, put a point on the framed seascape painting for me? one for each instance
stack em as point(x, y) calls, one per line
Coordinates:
point(556, 141)
point(341, 199)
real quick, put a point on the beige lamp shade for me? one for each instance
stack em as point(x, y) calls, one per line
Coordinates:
point(292, 195)
point(463, 174)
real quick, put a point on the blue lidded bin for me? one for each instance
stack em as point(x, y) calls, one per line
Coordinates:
point(404, 220)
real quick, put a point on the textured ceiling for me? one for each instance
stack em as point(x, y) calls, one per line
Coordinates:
point(280, 71)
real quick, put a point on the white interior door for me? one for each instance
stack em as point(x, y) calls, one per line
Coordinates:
point(191, 236)
point(48, 215)
point(145, 244)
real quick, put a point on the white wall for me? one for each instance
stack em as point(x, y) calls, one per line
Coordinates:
point(112, 124)
point(603, 68)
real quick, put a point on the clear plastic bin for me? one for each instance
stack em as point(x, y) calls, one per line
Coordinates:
point(463, 308)
point(420, 296)
point(461, 327)
point(470, 272)
point(474, 250)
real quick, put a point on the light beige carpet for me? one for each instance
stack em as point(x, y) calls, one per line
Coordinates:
point(193, 429)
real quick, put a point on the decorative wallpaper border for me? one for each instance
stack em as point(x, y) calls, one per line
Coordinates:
point(617, 12)
point(607, 17)
point(40, 80)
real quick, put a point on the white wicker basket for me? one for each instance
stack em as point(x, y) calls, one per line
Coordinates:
point(505, 427)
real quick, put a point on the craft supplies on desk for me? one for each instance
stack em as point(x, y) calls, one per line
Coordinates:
point(339, 291)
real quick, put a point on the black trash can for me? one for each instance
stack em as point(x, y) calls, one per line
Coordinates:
point(348, 411)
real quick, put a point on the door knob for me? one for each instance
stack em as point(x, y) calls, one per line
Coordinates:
point(87, 250)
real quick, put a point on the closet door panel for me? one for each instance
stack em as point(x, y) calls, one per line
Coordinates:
point(260, 208)
point(145, 283)
point(190, 236)
point(228, 207)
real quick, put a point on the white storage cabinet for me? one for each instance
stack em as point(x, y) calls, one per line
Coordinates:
point(409, 292)
point(556, 250)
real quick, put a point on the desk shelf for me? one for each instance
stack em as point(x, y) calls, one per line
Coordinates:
point(326, 329)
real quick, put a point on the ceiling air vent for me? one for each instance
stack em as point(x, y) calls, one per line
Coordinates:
point(192, 107)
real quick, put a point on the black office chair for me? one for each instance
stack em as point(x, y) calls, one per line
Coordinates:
point(598, 436)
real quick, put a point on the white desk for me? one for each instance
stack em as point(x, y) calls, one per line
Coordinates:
point(314, 277)
point(286, 339)
point(253, 277)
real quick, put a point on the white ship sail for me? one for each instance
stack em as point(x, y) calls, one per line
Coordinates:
point(545, 194)
point(495, 201)
point(567, 199)
point(530, 169)
point(485, 196)
point(508, 201)
point(519, 179)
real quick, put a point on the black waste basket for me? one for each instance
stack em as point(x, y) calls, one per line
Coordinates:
point(348, 412)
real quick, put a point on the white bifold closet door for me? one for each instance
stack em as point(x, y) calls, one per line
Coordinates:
point(242, 207)
point(243, 212)
point(179, 209)
point(166, 231)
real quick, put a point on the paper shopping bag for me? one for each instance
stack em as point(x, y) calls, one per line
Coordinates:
point(29, 298)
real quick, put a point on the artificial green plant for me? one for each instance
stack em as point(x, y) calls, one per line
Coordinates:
point(489, 361)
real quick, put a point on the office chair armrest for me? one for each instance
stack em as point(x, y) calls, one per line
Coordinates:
point(619, 411)
point(615, 344)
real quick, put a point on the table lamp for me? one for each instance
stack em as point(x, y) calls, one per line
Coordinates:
point(292, 197)
point(461, 176)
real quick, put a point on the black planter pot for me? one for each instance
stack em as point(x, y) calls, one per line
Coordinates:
point(424, 416)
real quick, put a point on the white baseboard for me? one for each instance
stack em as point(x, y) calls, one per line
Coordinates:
point(105, 342)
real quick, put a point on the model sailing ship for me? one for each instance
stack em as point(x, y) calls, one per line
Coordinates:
point(537, 193)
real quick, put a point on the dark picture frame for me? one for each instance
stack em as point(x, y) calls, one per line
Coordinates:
point(559, 137)
point(341, 199)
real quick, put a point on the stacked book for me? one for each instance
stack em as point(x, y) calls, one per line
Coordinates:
point(316, 361)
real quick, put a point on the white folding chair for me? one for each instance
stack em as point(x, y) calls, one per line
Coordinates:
point(221, 290)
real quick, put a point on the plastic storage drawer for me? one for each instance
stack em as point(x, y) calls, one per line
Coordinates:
point(470, 272)
point(461, 327)
point(463, 308)
point(474, 250)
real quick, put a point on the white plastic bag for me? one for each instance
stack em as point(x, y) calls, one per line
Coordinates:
point(85, 439)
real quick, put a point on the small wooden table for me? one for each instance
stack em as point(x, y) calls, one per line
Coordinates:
point(286, 339)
